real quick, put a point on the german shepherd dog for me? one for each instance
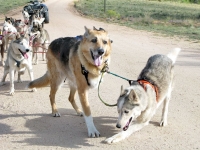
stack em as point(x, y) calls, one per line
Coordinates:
point(81, 63)
point(138, 103)
point(18, 59)
point(39, 38)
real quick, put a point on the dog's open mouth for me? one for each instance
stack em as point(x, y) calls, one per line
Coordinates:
point(97, 59)
point(127, 124)
point(24, 54)
point(32, 38)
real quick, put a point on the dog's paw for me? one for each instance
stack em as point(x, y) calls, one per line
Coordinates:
point(12, 92)
point(163, 123)
point(57, 114)
point(114, 139)
point(93, 133)
point(2, 83)
point(79, 113)
point(34, 90)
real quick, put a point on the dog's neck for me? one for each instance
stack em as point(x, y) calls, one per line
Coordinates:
point(16, 57)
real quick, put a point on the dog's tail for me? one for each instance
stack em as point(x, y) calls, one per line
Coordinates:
point(173, 54)
point(40, 82)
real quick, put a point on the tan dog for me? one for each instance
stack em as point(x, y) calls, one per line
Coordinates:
point(80, 60)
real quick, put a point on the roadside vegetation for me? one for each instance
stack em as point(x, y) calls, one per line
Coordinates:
point(175, 17)
point(7, 5)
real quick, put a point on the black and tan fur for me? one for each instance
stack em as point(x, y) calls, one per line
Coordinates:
point(64, 59)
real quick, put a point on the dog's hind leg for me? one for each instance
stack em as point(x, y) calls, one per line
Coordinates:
point(19, 76)
point(12, 90)
point(54, 85)
point(45, 47)
point(72, 100)
point(163, 121)
point(6, 71)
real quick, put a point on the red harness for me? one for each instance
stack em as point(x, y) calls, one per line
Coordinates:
point(144, 83)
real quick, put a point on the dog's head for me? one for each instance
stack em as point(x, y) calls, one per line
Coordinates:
point(19, 25)
point(26, 16)
point(9, 20)
point(96, 46)
point(8, 28)
point(131, 103)
point(21, 46)
point(35, 29)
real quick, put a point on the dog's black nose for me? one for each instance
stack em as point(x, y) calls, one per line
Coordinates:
point(100, 51)
point(118, 126)
point(27, 50)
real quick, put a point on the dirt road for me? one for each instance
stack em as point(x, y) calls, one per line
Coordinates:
point(25, 118)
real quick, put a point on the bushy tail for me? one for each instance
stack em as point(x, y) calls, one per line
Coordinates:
point(173, 54)
point(40, 82)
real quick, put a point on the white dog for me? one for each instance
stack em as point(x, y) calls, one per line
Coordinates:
point(19, 58)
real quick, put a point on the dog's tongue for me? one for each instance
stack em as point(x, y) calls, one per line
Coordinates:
point(127, 125)
point(25, 56)
point(97, 61)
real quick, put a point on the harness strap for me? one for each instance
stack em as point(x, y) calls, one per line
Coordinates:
point(85, 73)
point(18, 62)
point(144, 83)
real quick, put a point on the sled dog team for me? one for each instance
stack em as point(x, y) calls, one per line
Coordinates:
point(79, 60)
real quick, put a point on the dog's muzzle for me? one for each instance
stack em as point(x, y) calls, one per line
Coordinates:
point(100, 51)
point(97, 56)
point(118, 125)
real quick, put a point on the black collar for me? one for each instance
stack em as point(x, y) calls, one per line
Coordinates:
point(85, 73)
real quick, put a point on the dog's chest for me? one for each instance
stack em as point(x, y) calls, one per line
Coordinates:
point(94, 82)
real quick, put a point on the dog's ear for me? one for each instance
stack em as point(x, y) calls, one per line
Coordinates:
point(87, 31)
point(123, 92)
point(94, 28)
point(18, 36)
point(133, 96)
point(41, 20)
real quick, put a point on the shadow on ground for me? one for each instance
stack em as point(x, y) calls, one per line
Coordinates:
point(67, 131)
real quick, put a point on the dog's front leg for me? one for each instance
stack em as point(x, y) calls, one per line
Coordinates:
point(30, 71)
point(124, 134)
point(12, 90)
point(83, 95)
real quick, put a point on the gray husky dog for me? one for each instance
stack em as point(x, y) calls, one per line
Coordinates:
point(138, 103)
point(19, 58)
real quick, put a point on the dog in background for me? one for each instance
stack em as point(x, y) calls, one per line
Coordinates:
point(2, 47)
point(18, 59)
point(138, 103)
point(80, 61)
point(39, 38)
point(9, 33)
point(21, 27)
point(9, 20)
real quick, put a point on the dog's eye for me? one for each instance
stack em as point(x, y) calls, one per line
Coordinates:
point(126, 111)
point(104, 42)
point(94, 40)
